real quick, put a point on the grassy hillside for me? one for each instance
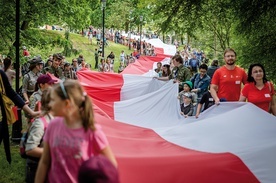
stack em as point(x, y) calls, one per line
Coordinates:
point(80, 43)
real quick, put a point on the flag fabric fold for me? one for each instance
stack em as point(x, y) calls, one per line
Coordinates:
point(232, 142)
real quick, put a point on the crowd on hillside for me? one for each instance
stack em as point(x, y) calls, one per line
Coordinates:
point(107, 64)
point(140, 47)
point(200, 86)
point(118, 36)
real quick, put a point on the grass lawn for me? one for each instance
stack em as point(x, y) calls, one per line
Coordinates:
point(15, 172)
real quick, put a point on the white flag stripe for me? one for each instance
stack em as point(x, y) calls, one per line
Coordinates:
point(136, 85)
point(238, 128)
point(168, 49)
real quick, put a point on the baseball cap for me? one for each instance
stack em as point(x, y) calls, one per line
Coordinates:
point(98, 169)
point(39, 60)
point(188, 95)
point(189, 83)
point(45, 78)
point(66, 64)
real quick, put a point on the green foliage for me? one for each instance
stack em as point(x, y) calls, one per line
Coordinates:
point(180, 16)
point(120, 14)
point(256, 32)
point(246, 25)
point(68, 13)
point(124, 14)
point(67, 44)
point(194, 18)
point(42, 41)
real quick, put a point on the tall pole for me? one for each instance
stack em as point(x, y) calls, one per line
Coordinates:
point(129, 30)
point(140, 38)
point(103, 7)
point(17, 126)
point(141, 21)
point(17, 39)
point(129, 37)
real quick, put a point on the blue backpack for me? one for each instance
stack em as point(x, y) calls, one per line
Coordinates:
point(194, 63)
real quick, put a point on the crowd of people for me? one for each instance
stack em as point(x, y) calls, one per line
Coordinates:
point(120, 37)
point(138, 46)
point(107, 64)
point(201, 86)
point(49, 90)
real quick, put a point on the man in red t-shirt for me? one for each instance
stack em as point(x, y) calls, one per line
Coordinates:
point(227, 80)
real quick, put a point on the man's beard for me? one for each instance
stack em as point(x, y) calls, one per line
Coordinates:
point(231, 63)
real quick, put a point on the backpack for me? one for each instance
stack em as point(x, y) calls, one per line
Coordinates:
point(25, 68)
point(23, 141)
point(194, 63)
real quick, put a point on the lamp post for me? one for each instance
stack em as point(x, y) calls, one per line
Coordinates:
point(129, 37)
point(17, 126)
point(141, 21)
point(103, 8)
point(129, 31)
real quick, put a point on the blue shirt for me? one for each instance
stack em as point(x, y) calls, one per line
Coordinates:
point(201, 84)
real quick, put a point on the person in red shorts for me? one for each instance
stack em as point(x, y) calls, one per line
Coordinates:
point(259, 90)
point(228, 79)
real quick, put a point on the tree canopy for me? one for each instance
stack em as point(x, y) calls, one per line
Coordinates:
point(247, 26)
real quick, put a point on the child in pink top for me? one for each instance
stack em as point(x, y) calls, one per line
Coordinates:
point(71, 138)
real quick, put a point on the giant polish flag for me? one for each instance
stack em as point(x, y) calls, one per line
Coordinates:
point(152, 142)
point(162, 48)
point(145, 65)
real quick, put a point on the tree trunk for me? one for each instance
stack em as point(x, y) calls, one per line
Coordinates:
point(188, 39)
point(215, 44)
point(25, 25)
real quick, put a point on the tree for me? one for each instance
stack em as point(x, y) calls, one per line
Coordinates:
point(256, 32)
point(35, 13)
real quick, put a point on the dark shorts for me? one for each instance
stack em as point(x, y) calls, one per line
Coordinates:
point(30, 172)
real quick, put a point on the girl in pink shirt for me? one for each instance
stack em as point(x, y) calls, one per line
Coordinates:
point(72, 137)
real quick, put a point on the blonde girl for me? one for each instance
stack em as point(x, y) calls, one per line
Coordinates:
point(71, 138)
